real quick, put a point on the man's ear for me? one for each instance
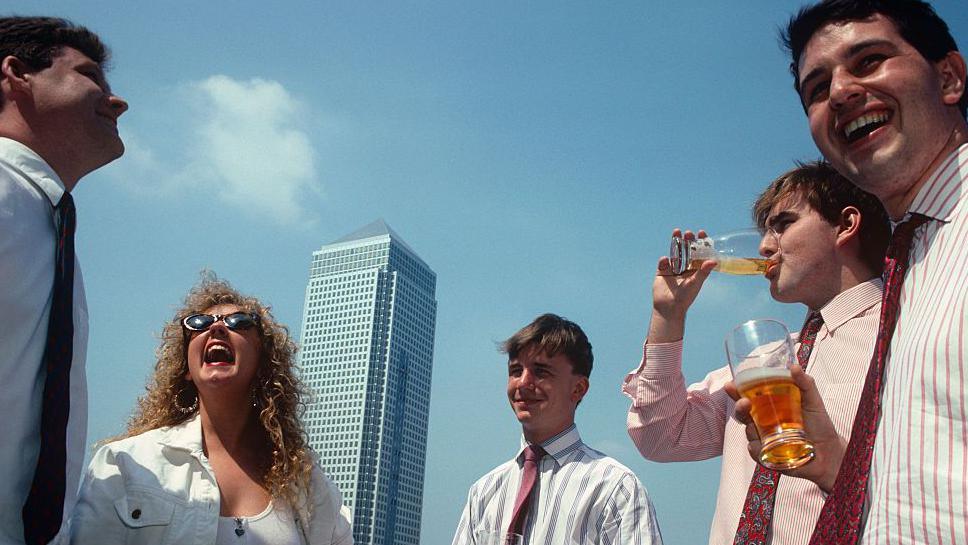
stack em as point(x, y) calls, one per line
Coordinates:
point(848, 226)
point(14, 73)
point(581, 388)
point(951, 71)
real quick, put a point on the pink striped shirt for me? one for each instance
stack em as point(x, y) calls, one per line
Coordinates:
point(670, 423)
point(918, 481)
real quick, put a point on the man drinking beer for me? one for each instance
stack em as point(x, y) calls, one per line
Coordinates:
point(825, 240)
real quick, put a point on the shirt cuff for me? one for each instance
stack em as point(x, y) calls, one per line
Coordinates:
point(662, 359)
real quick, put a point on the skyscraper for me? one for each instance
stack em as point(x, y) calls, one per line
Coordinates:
point(367, 352)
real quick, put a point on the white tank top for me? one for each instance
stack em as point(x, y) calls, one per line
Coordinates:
point(274, 526)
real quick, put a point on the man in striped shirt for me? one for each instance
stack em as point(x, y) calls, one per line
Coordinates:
point(883, 87)
point(571, 493)
point(827, 238)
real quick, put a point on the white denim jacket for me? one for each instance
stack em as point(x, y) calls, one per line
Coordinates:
point(158, 488)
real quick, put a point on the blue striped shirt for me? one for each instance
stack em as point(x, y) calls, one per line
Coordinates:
point(581, 496)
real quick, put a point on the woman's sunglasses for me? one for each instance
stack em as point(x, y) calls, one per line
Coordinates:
point(236, 321)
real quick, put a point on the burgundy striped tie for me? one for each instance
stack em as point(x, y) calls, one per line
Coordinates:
point(532, 458)
point(754, 522)
point(43, 511)
point(839, 522)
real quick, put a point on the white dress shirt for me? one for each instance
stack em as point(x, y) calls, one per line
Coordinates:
point(29, 190)
point(918, 489)
point(581, 497)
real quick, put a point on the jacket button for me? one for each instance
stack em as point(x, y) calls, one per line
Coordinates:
point(136, 514)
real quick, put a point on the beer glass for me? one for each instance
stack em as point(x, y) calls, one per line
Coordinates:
point(760, 353)
point(497, 537)
point(735, 253)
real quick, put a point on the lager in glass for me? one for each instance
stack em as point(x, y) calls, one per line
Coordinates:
point(760, 353)
point(734, 253)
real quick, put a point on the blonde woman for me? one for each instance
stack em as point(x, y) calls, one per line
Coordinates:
point(215, 452)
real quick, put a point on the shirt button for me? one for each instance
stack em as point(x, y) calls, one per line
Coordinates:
point(136, 514)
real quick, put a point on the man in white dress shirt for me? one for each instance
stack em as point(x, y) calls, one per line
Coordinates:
point(556, 489)
point(58, 122)
point(883, 87)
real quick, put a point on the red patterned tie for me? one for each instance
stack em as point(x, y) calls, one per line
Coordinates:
point(839, 522)
point(43, 511)
point(532, 458)
point(754, 522)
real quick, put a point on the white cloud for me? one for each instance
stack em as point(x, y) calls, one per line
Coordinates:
point(240, 141)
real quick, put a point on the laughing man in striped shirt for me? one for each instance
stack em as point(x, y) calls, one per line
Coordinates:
point(884, 89)
point(576, 494)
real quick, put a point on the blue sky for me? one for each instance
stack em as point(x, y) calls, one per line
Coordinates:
point(535, 154)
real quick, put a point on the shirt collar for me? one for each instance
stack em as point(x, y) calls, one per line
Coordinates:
point(851, 302)
point(558, 447)
point(942, 193)
point(184, 436)
point(23, 159)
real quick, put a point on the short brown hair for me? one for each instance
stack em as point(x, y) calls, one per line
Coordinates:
point(828, 192)
point(553, 335)
point(38, 40)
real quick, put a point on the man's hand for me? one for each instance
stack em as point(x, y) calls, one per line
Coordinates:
point(673, 295)
point(829, 448)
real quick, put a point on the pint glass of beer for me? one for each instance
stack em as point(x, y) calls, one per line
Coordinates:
point(735, 253)
point(760, 353)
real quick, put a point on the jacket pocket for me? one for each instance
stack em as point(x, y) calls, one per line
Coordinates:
point(146, 514)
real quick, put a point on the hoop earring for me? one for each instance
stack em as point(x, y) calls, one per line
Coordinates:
point(181, 408)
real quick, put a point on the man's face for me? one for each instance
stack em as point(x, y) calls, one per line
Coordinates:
point(803, 248)
point(544, 392)
point(877, 109)
point(76, 112)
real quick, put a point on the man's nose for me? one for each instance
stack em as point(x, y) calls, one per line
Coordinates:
point(527, 379)
point(844, 89)
point(769, 244)
point(118, 105)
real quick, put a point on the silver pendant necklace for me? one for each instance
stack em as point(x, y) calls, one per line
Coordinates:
point(239, 530)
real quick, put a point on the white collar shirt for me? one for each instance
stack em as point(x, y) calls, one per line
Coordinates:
point(918, 486)
point(582, 496)
point(29, 191)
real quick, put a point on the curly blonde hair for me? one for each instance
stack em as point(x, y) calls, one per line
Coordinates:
point(278, 393)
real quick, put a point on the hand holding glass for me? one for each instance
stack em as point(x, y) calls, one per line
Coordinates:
point(760, 353)
point(735, 253)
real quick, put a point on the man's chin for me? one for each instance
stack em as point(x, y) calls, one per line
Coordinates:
point(780, 295)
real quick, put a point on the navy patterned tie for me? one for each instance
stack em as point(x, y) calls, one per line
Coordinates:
point(754, 521)
point(44, 508)
point(839, 522)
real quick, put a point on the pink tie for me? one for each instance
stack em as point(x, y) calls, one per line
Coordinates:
point(839, 522)
point(532, 458)
point(754, 522)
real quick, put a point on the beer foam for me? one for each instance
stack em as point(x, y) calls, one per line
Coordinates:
point(758, 374)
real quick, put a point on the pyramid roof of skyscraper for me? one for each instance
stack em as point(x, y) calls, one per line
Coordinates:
point(377, 228)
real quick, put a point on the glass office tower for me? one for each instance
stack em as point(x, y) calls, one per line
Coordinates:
point(367, 353)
